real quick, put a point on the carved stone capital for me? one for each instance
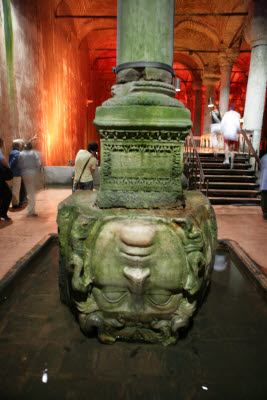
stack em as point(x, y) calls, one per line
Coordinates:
point(211, 79)
point(227, 58)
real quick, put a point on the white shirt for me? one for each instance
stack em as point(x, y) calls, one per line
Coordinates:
point(29, 162)
point(80, 160)
point(230, 125)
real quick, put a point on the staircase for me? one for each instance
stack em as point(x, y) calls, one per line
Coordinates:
point(229, 186)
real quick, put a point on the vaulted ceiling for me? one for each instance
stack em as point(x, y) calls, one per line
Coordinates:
point(202, 28)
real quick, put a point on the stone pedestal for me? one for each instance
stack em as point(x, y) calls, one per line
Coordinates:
point(142, 136)
point(135, 275)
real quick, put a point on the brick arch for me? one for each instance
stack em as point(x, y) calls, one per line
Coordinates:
point(197, 27)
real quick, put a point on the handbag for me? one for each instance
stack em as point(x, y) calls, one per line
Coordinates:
point(215, 128)
point(5, 173)
point(75, 186)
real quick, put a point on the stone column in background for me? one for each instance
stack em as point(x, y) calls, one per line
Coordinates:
point(256, 36)
point(197, 86)
point(210, 81)
point(226, 60)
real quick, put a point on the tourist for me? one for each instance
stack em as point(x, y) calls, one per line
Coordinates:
point(30, 164)
point(2, 157)
point(230, 126)
point(215, 128)
point(5, 192)
point(14, 165)
point(23, 194)
point(85, 165)
point(263, 185)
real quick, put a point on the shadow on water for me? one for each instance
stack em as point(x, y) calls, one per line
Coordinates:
point(45, 356)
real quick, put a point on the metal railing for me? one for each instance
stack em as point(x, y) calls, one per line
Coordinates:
point(247, 140)
point(196, 178)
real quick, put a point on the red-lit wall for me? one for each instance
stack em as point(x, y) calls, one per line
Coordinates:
point(54, 77)
point(50, 77)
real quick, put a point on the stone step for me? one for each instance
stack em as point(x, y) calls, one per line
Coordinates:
point(216, 165)
point(231, 193)
point(221, 160)
point(230, 178)
point(235, 200)
point(233, 185)
point(221, 155)
point(226, 171)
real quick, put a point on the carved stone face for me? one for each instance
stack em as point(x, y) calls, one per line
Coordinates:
point(135, 275)
point(138, 270)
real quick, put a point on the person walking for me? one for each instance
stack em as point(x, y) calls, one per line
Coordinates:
point(85, 165)
point(5, 192)
point(29, 163)
point(230, 126)
point(14, 165)
point(215, 128)
point(2, 157)
point(263, 185)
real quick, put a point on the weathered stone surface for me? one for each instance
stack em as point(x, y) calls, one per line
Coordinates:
point(143, 93)
point(145, 74)
point(135, 275)
point(141, 155)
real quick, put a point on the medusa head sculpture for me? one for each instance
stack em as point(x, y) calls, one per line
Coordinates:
point(134, 279)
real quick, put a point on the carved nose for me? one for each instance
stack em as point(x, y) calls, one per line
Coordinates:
point(136, 278)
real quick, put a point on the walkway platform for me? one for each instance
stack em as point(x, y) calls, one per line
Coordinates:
point(243, 224)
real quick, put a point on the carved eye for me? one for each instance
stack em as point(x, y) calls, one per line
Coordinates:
point(113, 296)
point(159, 299)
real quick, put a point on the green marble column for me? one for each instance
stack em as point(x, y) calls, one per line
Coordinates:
point(145, 33)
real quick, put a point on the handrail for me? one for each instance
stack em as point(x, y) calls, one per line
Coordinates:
point(197, 156)
point(202, 178)
point(251, 147)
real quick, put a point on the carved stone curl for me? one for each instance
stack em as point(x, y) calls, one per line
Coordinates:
point(135, 275)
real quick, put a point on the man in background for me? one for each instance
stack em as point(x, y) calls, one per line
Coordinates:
point(230, 127)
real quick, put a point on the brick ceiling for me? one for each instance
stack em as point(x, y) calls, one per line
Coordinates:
point(197, 38)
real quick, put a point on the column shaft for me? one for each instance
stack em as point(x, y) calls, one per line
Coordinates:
point(225, 88)
point(256, 91)
point(198, 110)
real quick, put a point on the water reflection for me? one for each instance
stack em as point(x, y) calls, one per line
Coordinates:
point(223, 349)
point(45, 375)
point(221, 262)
